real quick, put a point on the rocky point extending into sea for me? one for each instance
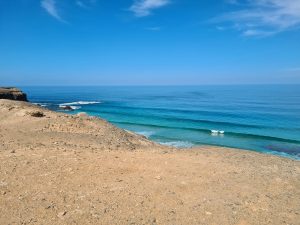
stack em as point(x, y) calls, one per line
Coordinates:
point(12, 93)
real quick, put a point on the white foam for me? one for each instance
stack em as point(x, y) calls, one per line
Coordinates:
point(41, 104)
point(217, 132)
point(283, 154)
point(80, 103)
point(75, 107)
point(145, 133)
point(64, 107)
point(178, 144)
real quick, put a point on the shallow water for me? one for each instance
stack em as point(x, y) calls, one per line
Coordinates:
point(264, 118)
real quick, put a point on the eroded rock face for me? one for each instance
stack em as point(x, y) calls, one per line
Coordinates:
point(12, 94)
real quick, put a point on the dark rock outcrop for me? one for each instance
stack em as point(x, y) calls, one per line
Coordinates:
point(12, 94)
point(66, 107)
point(37, 114)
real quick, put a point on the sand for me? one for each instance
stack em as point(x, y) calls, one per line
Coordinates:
point(62, 169)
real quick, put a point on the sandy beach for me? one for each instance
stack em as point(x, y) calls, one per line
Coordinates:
point(63, 169)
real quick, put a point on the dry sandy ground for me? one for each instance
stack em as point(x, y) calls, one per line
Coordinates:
point(62, 169)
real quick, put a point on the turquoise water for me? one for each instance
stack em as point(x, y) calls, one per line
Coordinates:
point(260, 118)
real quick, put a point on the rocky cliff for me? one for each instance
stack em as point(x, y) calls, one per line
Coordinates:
point(12, 94)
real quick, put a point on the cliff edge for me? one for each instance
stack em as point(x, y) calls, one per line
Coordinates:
point(12, 93)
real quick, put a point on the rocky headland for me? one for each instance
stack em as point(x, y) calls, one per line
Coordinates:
point(12, 93)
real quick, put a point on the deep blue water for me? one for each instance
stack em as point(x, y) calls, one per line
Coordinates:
point(260, 118)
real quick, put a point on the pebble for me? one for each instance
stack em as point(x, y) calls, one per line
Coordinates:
point(62, 214)
point(3, 184)
point(158, 177)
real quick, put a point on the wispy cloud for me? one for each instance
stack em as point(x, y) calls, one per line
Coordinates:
point(263, 17)
point(143, 8)
point(50, 7)
point(81, 4)
point(85, 4)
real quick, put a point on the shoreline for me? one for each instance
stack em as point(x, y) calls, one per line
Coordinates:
point(187, 144)
point(64, 169)
point(163, 128)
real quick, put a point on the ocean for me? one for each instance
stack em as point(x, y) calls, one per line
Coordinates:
point(262, 118)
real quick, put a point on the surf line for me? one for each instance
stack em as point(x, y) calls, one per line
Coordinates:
point(217, 132)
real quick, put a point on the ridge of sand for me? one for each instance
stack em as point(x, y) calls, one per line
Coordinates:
point(63, 169)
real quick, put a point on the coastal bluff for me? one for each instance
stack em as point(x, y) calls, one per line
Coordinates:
point(59, 168)
point(12, 93)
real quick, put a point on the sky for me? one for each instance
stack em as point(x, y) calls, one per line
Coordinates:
point(149, 42)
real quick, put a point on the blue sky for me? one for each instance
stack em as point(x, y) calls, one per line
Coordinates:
point(149, 42)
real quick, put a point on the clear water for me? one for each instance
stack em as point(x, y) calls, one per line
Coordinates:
point(260, 118)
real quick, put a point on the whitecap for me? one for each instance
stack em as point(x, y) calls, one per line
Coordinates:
point(75, 107)
point(41, 104)
point(69, 107)
point(217, 132)
point(80, 103)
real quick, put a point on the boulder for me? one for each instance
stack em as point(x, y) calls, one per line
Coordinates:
point(12, 94)
point(36, 114)
point(66, 107)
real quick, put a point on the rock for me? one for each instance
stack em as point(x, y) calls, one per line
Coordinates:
point(61, 214)
point(66, 107)
point(36, 114)
point(158, 177)
point(12, 94)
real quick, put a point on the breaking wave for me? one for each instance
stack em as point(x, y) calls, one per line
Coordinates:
point(80, 103)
